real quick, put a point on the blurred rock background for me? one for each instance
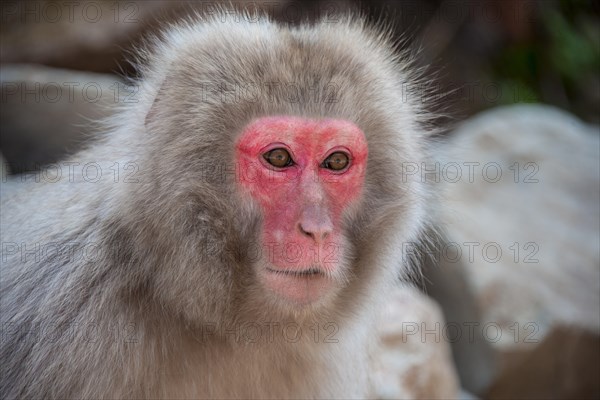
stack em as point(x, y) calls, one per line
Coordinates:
point(513, 279)
point(479, 54)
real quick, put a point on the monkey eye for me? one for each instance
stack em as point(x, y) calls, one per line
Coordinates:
point(279, 158)
point(336, 161)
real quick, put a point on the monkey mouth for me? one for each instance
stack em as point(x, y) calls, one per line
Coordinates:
point(305, 273)
point(298, 287)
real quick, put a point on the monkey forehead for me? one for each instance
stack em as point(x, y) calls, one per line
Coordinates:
point(303, 135)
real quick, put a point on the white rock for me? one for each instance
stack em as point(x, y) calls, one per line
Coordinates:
point(411, 364)
point(545, 220)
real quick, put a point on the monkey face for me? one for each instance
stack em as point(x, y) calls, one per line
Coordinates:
point(304, 174)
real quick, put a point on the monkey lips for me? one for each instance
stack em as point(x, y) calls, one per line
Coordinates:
point(304, 174)
point(300, 287)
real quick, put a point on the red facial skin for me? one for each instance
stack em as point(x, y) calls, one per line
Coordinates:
point(302, 204)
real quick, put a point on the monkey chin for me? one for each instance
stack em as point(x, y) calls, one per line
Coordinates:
point(299, 288)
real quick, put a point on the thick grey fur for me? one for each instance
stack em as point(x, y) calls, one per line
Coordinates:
point(148, 311)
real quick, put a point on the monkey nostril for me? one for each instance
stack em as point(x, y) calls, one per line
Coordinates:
point(305, 232)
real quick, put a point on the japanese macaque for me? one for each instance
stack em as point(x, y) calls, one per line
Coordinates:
point(232, 233)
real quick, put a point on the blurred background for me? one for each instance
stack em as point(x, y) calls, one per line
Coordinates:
point(63, 64)
point(479, 54)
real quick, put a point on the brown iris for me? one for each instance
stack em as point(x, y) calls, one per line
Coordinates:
point(278, 158)
point(336, 161)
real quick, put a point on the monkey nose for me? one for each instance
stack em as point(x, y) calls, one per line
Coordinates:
point(316, 226)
